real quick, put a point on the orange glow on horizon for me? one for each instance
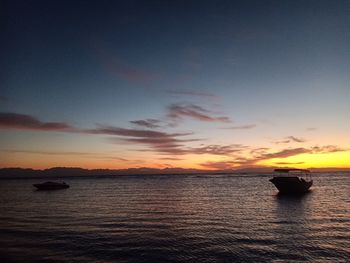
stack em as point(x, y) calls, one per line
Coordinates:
point(321, 160)
point(35, 161)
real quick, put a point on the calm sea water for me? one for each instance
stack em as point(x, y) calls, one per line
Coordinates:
point(204, 218)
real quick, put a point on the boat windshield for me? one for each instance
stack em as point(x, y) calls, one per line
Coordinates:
point(293, 172)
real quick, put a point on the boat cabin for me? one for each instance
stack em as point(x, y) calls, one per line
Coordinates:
point(292, 172)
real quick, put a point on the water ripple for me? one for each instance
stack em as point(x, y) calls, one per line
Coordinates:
point(175, 219)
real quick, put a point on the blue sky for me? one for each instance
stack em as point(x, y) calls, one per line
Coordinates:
point(273, 69)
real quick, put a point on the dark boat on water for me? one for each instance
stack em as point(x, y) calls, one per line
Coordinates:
point(51, 186)
point(292, 181)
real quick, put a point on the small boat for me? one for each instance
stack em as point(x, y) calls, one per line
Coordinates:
point(292, 181)
point(51, 186)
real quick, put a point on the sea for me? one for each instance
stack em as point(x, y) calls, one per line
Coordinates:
point(175, 218)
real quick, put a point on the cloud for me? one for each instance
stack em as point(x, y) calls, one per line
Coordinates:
point(171, 145)
point(296, 151)
point(178, 148)
point(241, 127)
point(67, 153)
point(161, 142)
point(178, 112)
point(148, 123)
point(10, 120)
point(225, 150)
point(284, 153)
point(290, 139)
point(170, 159)
point(327, 149)
point(289, 163)
point(296, 139)
point(110, 130)
point(260, 154)
point(48, 152)
point(282, 142)
point(165, 143)
point(218, 165)
point(259, 151)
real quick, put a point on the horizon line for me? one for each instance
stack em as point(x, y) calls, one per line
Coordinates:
point(175, 168)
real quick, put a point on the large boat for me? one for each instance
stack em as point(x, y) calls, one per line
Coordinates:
point(292, 181)
point(51, 186)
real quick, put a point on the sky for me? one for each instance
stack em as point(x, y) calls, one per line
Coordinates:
point(190, 84)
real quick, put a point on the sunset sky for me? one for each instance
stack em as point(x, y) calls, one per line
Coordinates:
point(191, 84)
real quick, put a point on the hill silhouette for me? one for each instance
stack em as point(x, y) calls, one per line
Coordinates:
point(79, 172)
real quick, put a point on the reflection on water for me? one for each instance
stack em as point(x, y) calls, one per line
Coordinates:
point(175, 219)
point(291, 224)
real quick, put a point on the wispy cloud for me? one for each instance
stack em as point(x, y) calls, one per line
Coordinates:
point(289, 163)
point(67, 153)
point(148, 123)
point(178, 112)
point(259, 151)
point(285, 153)
point(225, 150)
point(223, 165)
point(327, 149)
point(167, 143)
point(296, 139)
point(10, 120)
point(240, 127)
point(260, 155)
point(48, 152)
point(110, 130)
point(170, 159)
point(290, 139)
point(161, 142)
point(170, 145)
point(179, 148)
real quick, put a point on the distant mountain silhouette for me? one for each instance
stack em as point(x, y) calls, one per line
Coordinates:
point(76, 171)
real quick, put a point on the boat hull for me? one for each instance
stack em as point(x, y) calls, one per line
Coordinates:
point(51, 186)
point(291, 185)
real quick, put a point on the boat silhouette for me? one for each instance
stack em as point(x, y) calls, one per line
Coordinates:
point(292, 181)
point(51, 186)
